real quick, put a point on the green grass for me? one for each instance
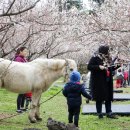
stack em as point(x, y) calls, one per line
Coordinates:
point(125, 90)
point(57, 109)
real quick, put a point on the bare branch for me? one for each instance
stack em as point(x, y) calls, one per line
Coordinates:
point(116, 30)
point(19, 12)
point(10, 7)
point(64, 52)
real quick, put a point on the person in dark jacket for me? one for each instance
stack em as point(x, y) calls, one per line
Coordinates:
point(102, 80)
point(20, 57)
point(73, 91)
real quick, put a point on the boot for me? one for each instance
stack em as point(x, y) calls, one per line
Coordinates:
point(100, 115)
point(112, 116)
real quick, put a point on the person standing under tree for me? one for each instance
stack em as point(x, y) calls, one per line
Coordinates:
point(20, 56)
point(102, 80)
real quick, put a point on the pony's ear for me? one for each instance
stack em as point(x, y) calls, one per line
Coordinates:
point(72, 64)
point(67, 62)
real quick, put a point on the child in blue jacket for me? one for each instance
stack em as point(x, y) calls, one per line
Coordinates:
point(73, 91)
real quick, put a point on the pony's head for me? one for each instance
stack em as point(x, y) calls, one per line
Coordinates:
point(64, 67)
point(69, 66)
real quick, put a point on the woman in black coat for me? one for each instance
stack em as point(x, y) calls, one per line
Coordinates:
point(101, 80)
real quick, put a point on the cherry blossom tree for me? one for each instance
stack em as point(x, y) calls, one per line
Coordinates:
point(70, 33)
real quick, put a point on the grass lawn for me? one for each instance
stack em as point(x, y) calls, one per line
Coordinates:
point(57, 109)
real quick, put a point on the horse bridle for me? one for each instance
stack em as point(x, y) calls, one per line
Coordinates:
point(67, 69)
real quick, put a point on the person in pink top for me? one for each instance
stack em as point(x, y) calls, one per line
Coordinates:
point(20, 56)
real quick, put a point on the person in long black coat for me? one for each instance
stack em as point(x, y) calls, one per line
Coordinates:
point(102, 80)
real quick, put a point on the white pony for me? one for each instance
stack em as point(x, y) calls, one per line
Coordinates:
point(35, 76)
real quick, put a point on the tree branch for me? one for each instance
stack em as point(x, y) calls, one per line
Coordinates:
point(64, 52)
point(19, 12)
point(116, 30)
point(10, 7)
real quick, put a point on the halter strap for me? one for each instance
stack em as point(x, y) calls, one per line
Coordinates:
point(67, 69)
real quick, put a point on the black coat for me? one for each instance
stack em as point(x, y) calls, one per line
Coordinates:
point(101, 84)
point(73, 93)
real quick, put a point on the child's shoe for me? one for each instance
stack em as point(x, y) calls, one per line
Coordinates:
point(100, 116)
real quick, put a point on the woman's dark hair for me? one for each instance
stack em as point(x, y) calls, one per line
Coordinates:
point(104, 49)
point(20, 49)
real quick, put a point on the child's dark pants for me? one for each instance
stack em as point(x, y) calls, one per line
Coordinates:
point(28, 100)
point(74, 112)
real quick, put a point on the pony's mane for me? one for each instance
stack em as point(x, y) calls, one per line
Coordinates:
point(53, 64)
point(2, 59)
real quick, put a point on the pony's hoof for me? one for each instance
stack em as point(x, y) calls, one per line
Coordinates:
point(32, 120)
point(38, 118)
